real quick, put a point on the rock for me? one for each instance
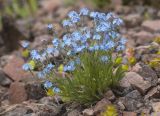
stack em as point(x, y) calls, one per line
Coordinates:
point(136, 81)
point(153, 93)
point(24, 26)
point(148, 74)
point(129, 114)
point(3, 96)
point(109, 95)
point(39, 29)
point(40, 41)
point(134, 95)
point(11, 34)
point(157, 70)
point(50, 5)
point(62, 12)
point(151, 25)
point(14, 69)
point(74, 113)
point(47, 100)
point(47, 110)
point(34, 90)
point(17, 93)
point(143, 37)
point(131, 100)
point(130, 42)
point(4, 79)
point(4, 59)
point(155, 114)
point(132, 20)
point(101, 106)
point(158, 14)
point(116, 2)
point(156, 107)
point(88, 112)
point(19, 111)
point(136, 68)
point(121, 105)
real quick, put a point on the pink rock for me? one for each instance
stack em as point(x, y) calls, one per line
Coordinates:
point(101, 106)
point(143, 36)
point(17, 93)
point(152, 25)
point(129, 114)
point(14, 69)
point(135, 80)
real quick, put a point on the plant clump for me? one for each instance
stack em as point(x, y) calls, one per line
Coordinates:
point(83, 64)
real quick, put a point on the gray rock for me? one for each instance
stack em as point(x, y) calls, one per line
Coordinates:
point(148, 74)
point(131, 100)
point(4, 79)
point(11, 34)
point(153, 93)
point(132, 20)
point(34, 90)
point(74, 113)
point(19, 111)
point(109, 95)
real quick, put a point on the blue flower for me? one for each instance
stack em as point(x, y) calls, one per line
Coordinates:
point(120, 47)
point(104, 58)
point(76, 36)
point(27, 67)
point(56, 89)
point(25, 44)
point(55, 42)
point(48, 68)
point(83, 39)
point(79, 49)
point(48, 84)
point(70, 66)
point(41, 75)
point(114, 34)
point(93, 14)
point(103, 26)
point(67, 39)
point(122, 41)
point(117, 22)
point(50, 26)
point(109, 16)
point(110, 44)
point(97, 37)
point(84, 11)
point(96, 47)
point(74, 16)
point(70, 53)
point(86, 32)
point(102, 16)
point(66, 23)
point(50, 50)
point(107, 37)
point(35, 55)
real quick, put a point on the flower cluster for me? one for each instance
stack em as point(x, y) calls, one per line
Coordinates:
point(85, 31)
